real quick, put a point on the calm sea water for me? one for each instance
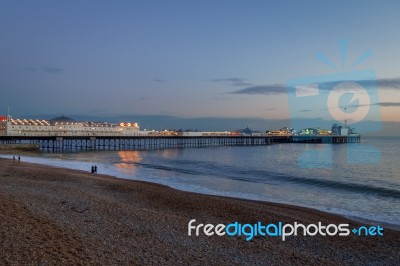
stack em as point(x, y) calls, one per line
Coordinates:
point(356, 180)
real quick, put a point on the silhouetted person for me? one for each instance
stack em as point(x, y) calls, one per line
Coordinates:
point(19, 158)
point(92, 171)
point(13, 158)
point(95, 169)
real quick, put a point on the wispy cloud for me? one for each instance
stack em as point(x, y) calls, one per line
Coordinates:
point(160, 80)
point(238, 82)
point(388, 104)
point(52, 70)
point(263, 89)
point(270, 109)
point(275, 89)
point(389, 83)
point(383, 104)
point(306, 110)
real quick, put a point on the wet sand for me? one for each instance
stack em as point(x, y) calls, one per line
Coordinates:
point(58, 216)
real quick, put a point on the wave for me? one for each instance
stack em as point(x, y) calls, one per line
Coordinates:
point(268, 177)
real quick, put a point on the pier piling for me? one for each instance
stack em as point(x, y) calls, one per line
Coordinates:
point(85, 143)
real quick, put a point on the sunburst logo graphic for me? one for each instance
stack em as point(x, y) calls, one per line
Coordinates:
point(343, 54)
point(345, 96)
point(359, 103)
point(348, 98)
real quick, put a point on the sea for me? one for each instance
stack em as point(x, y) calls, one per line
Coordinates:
point(357, 180)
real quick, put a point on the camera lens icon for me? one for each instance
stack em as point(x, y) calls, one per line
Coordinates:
point(358, 102)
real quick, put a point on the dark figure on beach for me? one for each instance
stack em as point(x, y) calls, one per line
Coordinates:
point(92, 170)
point(14, 158)
point(19, 158)
point(95, 169)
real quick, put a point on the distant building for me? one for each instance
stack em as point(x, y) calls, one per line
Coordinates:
point(344, 131)
point(338, 130)
point(308, 131)
point(335, 129)
point(352, 131)
point(249, 132)
point(285, 131)
point(246, 132)
point(64, 126)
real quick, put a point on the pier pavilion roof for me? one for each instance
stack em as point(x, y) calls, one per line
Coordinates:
point(62, 119)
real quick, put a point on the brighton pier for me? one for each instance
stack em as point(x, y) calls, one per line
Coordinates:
point(65, 134)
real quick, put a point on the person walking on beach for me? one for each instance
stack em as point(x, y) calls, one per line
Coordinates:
point(95, 169)
point(14, 158)
point(19, 159)
point(92, 170)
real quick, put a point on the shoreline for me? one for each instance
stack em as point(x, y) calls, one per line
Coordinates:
point(355, 219)
point(105, 219)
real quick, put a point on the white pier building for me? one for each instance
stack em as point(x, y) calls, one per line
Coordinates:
point(64, 126)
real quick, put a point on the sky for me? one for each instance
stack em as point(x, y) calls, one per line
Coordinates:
point(199, 61)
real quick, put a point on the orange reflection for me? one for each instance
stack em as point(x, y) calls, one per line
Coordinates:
point(128, 158)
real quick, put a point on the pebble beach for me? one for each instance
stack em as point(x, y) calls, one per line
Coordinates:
point(52, 215)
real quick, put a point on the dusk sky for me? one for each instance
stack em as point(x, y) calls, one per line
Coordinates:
point(187, 59)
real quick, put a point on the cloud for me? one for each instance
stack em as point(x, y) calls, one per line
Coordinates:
point(388, 104)
point(229, 80)
point(52, 70)
point(238, 82)
point(160, 80)
point(385, 84)
point(305, 110)
point(389, 83)
point(383, 104)
point(265, 89)
point(270, 109)
point(275, 89)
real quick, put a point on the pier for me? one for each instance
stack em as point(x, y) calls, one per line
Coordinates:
point(87, 143)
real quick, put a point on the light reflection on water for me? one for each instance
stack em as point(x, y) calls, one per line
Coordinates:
point(128, 160)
